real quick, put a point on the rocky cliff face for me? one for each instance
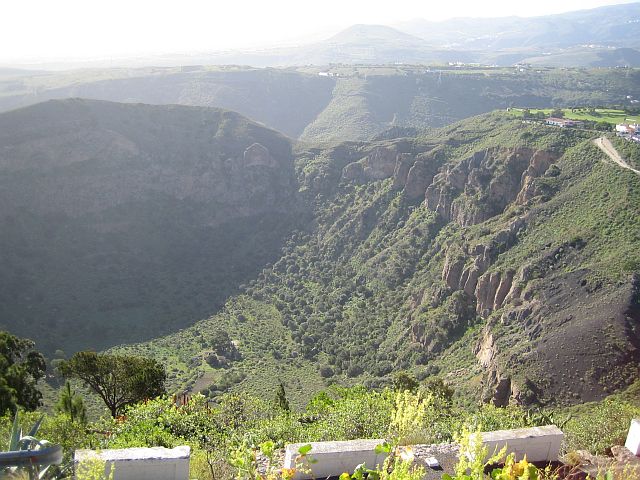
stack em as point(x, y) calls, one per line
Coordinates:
point(412, 171)
point(481, 186)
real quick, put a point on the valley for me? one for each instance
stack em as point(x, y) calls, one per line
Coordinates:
point(415, 235)
point(122, 221)
point(470, 250)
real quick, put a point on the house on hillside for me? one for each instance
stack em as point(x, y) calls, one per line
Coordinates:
point(625, 129)
point(563, 122)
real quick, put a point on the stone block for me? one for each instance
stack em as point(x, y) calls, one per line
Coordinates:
point(539, 444)
point(141, 463)
point(334, 458)
point(633, 438)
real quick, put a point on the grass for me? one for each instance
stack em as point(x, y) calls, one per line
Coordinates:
point(597, 203)
point(608, 115)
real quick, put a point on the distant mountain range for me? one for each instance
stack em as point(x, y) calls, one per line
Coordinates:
point(605, 37)
point(615, 25)
point(601, 37)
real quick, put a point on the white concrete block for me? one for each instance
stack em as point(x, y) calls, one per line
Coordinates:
point(334, 458)
point(539, 444)
point(141, 463)
point(633, 438)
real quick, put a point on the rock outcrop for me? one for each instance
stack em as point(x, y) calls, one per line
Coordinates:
point(379, 164)
point(421, 175)
point(498, 387)
point(404, 162)
point(452, 270)
point(482, 185)
point(411, 172)
point(491, 290)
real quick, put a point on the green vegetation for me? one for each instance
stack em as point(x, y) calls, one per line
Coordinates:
point(21, 367)
point(71, 403)
point(359, 294)
point(596, 426)
point(118, 380)
point(227, 435)
point(608, 115)
point(239, 421)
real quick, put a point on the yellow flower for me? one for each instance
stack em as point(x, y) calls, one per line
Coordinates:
point(522, 466)
point(288, 472)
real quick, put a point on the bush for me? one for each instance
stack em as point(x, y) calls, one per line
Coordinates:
point(600, 426)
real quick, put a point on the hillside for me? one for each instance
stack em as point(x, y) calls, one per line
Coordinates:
point(356, 104)
point(121, 222)
point(284, 100)
point(613, 25)
point(499, 254)
point(370, 101)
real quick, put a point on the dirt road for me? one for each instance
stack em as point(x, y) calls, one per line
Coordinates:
point(606, 146)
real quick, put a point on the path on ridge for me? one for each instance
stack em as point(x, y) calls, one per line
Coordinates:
point(604, 144)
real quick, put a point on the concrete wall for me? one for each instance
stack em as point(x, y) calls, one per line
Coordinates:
point(633, 437)
point(539, 444)
point(334, 458)
point(141, 463)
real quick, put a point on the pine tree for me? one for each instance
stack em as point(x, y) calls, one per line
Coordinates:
point(72, 404)
point(281, 398)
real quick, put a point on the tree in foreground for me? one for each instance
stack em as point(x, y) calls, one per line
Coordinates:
point(20, 369)
point(120, 380)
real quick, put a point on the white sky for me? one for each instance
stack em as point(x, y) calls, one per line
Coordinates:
point(75, 29)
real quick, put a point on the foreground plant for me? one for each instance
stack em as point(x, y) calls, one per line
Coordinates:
point(245, 460)
point(37, 464)
point(472, 464)
point(94, 469)
point(399, 465)
point(522, 470)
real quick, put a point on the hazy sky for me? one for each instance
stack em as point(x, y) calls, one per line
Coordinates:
point(55, 29)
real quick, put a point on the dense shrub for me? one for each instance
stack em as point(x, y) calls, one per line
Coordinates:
point(599, 426)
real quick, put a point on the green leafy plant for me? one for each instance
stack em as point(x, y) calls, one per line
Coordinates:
point(244, 459)
point(474, 457)
point(399, 465)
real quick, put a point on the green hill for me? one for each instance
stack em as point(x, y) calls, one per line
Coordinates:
point(499, 254)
